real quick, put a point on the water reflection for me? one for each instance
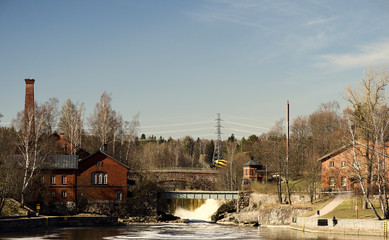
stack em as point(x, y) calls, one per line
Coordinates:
point(193, 230)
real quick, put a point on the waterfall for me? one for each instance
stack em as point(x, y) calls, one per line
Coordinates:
point(203, 213)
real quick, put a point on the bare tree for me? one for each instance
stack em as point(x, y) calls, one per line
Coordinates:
point(33, 128)
point(71, 123)
point(367, 122)
point(104, 121)
point(7, 165)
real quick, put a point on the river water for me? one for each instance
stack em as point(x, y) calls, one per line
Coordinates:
point(192, 230)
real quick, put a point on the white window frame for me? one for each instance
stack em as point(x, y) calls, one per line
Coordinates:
point(64, 179)
point(63, 193)
point(332, 164)
point(343, 181)
point(52, 179)
point(332, 181)
point(105, 178)
point(119, 195)
point(99, 178)
point(343, 164)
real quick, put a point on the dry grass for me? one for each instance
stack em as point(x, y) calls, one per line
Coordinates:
point(12, 208)
point(346, 210)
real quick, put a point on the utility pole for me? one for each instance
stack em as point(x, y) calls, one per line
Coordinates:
point(287, 153)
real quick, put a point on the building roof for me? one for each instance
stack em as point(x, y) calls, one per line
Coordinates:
point(105, 154)
point(252, 163)
point(334, 153)
point(62, 161)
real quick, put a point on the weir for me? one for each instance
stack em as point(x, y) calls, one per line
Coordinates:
point(231, 195)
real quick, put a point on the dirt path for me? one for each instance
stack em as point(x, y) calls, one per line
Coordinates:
point(333, 204)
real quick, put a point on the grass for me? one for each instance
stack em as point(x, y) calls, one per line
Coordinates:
point(346, 210)
point(317, 204)
point(12, 209)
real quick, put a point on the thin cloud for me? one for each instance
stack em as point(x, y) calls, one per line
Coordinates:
point(368, 55)
point(320, 21)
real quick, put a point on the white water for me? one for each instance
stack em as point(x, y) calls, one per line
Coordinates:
point(203, 213)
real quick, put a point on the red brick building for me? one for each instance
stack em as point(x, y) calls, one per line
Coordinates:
point(254, 171)
point(101, 177)
point(98, 178)
point(338, 168)
point(60, 180)
point(337, 173)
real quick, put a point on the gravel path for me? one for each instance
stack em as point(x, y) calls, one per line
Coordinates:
point(333, 204)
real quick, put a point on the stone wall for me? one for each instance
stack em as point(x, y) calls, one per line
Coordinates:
point(243, 201)
point(346, 226)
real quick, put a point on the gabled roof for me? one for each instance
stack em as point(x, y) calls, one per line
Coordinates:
point(252, 163)
point(334, 153)
point(342, 149)
point(104, 153)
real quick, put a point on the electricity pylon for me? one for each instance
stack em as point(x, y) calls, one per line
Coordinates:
point(218, 145)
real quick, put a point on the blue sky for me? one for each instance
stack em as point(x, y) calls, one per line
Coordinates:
point(179, 63)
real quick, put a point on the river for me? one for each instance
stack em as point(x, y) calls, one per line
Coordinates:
point(192, 230)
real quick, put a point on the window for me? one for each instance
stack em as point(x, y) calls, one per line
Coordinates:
point(343, 164)
point(331, 164)
point(252, 172)
point(100, 163)
point(247, 172)
point(63, 193)
point(104, 178)
point(344, 181)
point(332, 182)
point(118, 196)
point(52, 194)
point(99, 178)
point(63, 179)
point(52, 179)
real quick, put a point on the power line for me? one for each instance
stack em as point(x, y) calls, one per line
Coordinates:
point(245, 125)
point(177, 124)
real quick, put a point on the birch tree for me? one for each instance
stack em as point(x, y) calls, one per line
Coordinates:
point(33, 128)
point(104, 122)
point(367, 122)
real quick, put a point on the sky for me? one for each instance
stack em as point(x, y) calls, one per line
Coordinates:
point(180, 63)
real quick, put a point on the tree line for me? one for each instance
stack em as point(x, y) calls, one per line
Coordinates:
point(311, 137)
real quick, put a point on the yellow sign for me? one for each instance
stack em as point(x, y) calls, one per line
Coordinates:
point(38, 206)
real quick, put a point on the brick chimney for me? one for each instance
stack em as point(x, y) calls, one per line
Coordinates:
point(29, 99)
point(29, 106)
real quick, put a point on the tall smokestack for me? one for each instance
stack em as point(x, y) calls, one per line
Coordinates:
point(29, 106)
point(29, 100)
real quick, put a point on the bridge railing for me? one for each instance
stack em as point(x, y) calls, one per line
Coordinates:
point(200, 195)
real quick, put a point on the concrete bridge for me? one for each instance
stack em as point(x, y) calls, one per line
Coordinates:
point(200, 195)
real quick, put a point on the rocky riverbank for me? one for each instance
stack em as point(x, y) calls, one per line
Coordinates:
point(277, 215)
point(162, 217)
point(263, 210)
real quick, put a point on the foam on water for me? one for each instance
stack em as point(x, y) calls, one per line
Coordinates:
point(203, 213)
